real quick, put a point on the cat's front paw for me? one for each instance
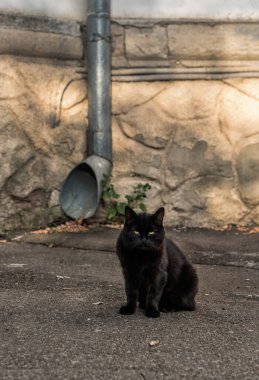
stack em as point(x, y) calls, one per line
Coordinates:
point(127, 310)
point(152, 312)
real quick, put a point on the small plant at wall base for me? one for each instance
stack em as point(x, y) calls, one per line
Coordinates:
point(112, 203)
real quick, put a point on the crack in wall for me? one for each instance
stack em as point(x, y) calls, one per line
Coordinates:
point(240, 90)
point(181, 119)
point(76, 104)
point(221, 129)
point(252, 134)
point(58, 108)
point(142, 103)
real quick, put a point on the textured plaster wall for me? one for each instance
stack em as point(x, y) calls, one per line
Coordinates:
point(195, 141)
point(34, 156)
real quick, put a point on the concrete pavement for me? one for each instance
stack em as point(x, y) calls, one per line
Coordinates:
point(59, 316)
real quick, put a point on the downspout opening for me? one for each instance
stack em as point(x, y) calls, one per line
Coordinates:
point(79, 192)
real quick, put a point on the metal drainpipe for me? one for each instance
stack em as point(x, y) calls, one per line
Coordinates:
point(82, 190)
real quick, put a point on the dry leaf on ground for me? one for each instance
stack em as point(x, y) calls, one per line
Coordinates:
point(154, 343)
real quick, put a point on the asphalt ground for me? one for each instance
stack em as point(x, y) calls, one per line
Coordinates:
point(59, 318)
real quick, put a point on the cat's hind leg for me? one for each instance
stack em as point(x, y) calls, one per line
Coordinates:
point(173, 302)
point(187, 288)
point(155, 291)
point(181, 296)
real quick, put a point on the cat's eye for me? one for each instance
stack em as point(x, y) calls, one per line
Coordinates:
point(135, 232)
point(151, 233)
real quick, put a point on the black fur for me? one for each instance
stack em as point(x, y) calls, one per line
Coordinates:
point(156, 272)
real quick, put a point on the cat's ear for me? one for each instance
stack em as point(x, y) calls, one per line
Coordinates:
point(158, 216)
point(129, 214)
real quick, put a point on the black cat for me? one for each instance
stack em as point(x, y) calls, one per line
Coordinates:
point(156, 272)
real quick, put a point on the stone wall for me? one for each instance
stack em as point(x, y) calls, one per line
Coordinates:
point(40, 141)
point(195, 141)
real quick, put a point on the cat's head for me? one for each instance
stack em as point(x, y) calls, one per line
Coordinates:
point(144, 231)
